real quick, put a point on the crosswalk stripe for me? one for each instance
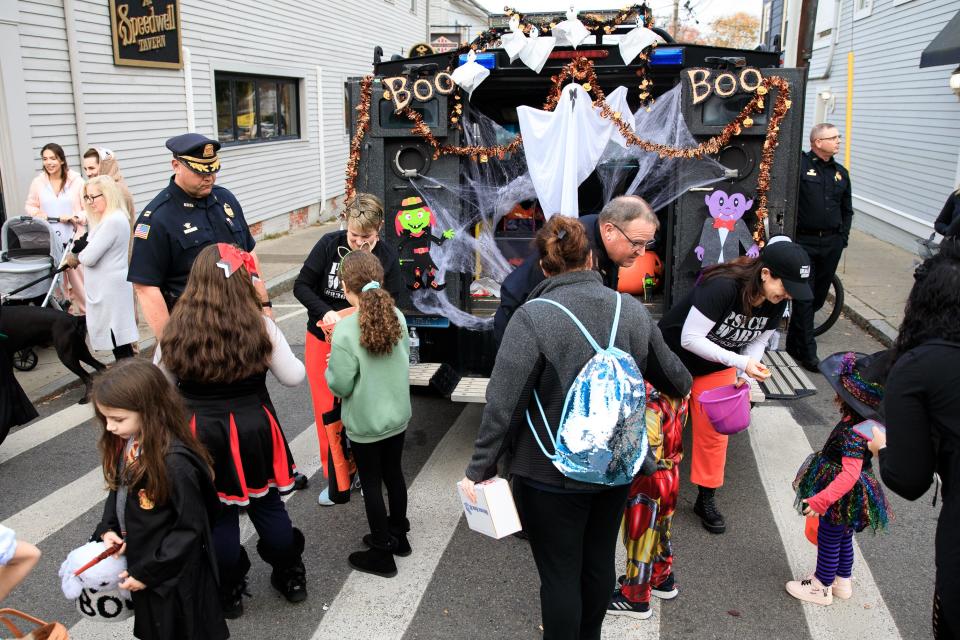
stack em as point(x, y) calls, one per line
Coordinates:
point(35, 434)
point(45, 517)
point(307, 454)
point(780, 447)
point(434, 513)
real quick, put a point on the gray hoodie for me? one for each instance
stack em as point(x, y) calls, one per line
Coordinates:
point(542, 349)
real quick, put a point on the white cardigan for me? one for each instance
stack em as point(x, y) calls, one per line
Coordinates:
point(109, 295)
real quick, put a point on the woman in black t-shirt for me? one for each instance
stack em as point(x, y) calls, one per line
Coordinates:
point(720, 330)
point(318, 289)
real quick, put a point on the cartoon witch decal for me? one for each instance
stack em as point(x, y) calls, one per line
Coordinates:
point(724, 231)
point(413, 225)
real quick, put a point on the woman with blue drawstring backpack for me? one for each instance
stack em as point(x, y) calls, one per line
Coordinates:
point(572, 524)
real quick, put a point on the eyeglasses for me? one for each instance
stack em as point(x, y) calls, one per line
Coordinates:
point(637, 245)
point(836, 137)
point(90, 199)
point(372, 217)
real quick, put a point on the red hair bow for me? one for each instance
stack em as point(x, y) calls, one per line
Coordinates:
point(232, 258)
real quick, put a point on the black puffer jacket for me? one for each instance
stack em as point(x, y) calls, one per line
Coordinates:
point(542, 349)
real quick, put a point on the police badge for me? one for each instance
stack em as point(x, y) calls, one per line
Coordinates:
point(228, 210)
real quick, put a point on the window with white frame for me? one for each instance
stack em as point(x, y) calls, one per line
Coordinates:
point(862, 8)
point(823, 29)
point(256, 108)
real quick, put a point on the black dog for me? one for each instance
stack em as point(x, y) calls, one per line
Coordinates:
point(28, 327)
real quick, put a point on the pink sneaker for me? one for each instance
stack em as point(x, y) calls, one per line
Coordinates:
point(843, 588)
point(810, 590)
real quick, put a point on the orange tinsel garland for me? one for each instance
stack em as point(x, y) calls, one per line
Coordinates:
point(363, 125)
point(581, 69)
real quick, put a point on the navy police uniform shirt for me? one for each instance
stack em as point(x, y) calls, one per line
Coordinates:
point(173, 229)
point(825, 201)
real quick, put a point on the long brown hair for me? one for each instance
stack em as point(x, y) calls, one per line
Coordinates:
point(62, 157)
point(139, 386)
point(563, 245)
point(216, 331)
point(746, 273)
point(379, 326)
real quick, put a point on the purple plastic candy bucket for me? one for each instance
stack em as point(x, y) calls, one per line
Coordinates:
point(727, 407)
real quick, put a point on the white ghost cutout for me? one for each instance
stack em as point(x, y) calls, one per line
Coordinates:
point(470, 74)
point(636, 41)
point(538, 49)
point(617, 99)
point(513, 41)
point(571, 31)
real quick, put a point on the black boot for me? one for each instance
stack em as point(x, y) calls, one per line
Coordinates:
point(378, 559)
point(233, 586)
point(706, 508)
point(289, 576)
point(398, 529)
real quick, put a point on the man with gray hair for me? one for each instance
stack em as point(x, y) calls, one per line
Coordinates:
point(824, 217)
point(619, 234)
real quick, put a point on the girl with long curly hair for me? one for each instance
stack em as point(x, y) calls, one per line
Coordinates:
point(218, 347)
point(369, 369)
point(160, 505)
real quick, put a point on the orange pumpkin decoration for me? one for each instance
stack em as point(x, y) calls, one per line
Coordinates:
point(647, 269)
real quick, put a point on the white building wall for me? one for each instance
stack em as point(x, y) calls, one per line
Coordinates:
point(905, 135)
point(446, 13)
point(133, 110)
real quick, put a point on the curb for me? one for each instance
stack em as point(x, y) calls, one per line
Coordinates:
point(276, 286)
point(862, 315)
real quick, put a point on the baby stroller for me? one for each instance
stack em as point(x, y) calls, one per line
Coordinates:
point(30, 267)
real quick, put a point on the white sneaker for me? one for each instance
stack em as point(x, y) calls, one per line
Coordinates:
point(324, 498)
point(843, 588)
point(811, 590)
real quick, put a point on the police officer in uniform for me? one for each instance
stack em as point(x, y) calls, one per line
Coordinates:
point(824, 217)
point(189, 214)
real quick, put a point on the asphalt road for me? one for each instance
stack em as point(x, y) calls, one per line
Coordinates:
point(460, 584)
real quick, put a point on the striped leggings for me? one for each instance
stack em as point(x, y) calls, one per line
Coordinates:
point(834, 552)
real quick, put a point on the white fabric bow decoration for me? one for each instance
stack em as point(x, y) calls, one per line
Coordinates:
point(636, 41)
point(470, 74)
point(538, 49)
point(513, 41)
point(571, 31)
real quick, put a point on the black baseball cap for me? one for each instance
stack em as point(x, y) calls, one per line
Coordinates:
point(789, 262)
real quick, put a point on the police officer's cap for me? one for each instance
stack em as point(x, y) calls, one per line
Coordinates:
point(197, 152)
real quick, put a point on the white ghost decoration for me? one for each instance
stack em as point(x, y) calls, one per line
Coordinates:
point(571, 31)
point(470, 74)
point(636, 41)
point(513, 41)
point(538, 49)
point(617, 99)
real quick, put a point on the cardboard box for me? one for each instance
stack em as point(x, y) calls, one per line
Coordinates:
point(494, 513)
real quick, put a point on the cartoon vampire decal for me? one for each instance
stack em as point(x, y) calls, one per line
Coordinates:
point(413, 225)
point(724, 230)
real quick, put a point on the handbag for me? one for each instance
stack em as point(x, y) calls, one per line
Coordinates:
point(43, 630)
point(340, 458)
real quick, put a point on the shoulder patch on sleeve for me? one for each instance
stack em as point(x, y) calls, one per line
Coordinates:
point(142, 231)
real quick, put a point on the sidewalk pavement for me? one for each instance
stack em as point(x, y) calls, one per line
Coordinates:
point(876, 276)
point(280, 260)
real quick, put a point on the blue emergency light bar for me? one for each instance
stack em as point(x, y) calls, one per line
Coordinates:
point(666, 56)
point(488, 60)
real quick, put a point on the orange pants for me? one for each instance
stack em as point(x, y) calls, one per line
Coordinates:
point(315, 357)
point(709, 455)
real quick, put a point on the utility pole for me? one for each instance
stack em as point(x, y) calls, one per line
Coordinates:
point(676, 18)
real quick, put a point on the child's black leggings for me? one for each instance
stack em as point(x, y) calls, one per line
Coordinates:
point(378, 464)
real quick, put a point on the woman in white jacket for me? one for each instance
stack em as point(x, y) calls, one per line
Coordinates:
point(110, 317)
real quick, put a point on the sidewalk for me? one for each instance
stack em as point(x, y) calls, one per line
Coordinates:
point(280, 259)
point(876, 277)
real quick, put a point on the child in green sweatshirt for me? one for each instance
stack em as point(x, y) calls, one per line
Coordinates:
point(369, 370)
